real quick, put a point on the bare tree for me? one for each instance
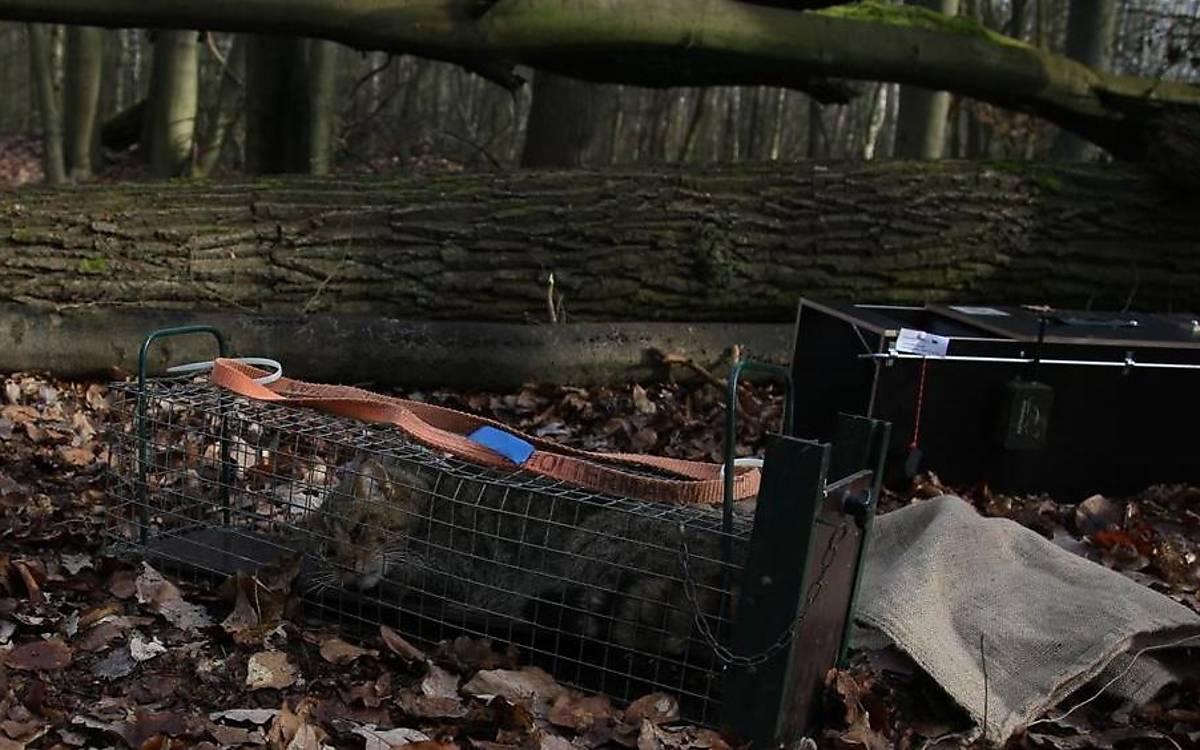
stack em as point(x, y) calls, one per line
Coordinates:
point(289, 105)
point(921, 126)
point(226, 112)
point(43, 78)
point(563, 121)
point(1090, 28)
point(170, 122)
point(83, 67)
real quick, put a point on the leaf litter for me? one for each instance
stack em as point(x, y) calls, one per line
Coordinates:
point(96, 651)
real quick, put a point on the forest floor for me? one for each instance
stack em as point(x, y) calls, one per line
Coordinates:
point(102, 652)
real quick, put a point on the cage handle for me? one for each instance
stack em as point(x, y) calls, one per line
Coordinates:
point(162, 333)
point(143, 427)
point(731, 415)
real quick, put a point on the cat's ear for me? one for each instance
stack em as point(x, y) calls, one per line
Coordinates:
point(371, 481)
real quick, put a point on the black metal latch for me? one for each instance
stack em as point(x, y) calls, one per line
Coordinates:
point(857, 505)
point(851, 496)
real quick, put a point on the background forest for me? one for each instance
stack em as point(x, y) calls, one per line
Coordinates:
point(122, 104)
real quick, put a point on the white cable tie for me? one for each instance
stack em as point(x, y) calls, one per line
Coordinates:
point(756, 463)
point(261, 361)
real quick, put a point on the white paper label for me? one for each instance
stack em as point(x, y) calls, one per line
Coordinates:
point(912, 341)
point(967, 310)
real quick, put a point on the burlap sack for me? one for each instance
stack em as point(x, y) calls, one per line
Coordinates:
point(939, 577)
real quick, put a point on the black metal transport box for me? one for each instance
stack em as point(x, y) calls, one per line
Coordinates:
point(1066, 402)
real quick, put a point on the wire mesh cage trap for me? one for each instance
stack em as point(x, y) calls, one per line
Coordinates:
point(607, 591)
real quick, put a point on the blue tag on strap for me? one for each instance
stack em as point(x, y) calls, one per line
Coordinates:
point(505, 443)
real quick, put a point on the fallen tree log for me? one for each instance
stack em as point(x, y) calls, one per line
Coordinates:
point(739, 244)
point(104, 343)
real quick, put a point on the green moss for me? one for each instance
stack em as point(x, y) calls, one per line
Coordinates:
point(1039, 174)
point(714, 257)
point(93, 265)
point(876, 11)
point(1047, 181)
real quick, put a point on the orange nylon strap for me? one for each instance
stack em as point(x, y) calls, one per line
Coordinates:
point(446, 430)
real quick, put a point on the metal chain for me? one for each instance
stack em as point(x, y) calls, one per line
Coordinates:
point(723, 652)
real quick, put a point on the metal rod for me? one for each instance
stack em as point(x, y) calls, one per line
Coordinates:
point(1127, 363)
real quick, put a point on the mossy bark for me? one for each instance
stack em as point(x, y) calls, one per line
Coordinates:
point(736, 244)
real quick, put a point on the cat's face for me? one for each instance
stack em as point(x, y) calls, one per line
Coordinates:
point(373, 512)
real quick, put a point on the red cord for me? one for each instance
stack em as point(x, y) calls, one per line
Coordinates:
point(920, 404)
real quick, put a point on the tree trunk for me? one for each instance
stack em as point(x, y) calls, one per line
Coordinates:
point(228, 109)
point(1090, 27)
point(563, 122)
point(321, 68)
point(816, 130)
point(733, 244)
point(170, 124)
point(88, 343)
point(81, 98)
point(53, 162)
point(878, 113)
point(693, 128)
point(921, 126)
point(275, 106)
point(289, 105)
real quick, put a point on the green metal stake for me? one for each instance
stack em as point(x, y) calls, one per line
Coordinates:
point(143, 428)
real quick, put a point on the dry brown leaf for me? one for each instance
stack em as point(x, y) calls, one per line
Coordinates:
point(370, 694)
point(146, 726)
point(400, 647)
point(429, 707)
point(439, 683)
point(1097, 513)
point(582, 713)
point(470, 654)
point(642, 402)
point(270, 669)
point(122, 584)
point(164, 597)
point(657, 708)
point(78, 456)
point(101, 635)
point(292, 730)
point(530, 685)
point(384, 739)
point(337, 651)
point(860, 734)
point(650, 737)
point(93, 615)
point(261, 600)
point(47, 655)
point(255, 716)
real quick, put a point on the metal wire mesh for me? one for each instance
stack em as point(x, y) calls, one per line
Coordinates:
point(586, 585)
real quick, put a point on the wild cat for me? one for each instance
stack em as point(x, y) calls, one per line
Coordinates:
point(492, 550)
